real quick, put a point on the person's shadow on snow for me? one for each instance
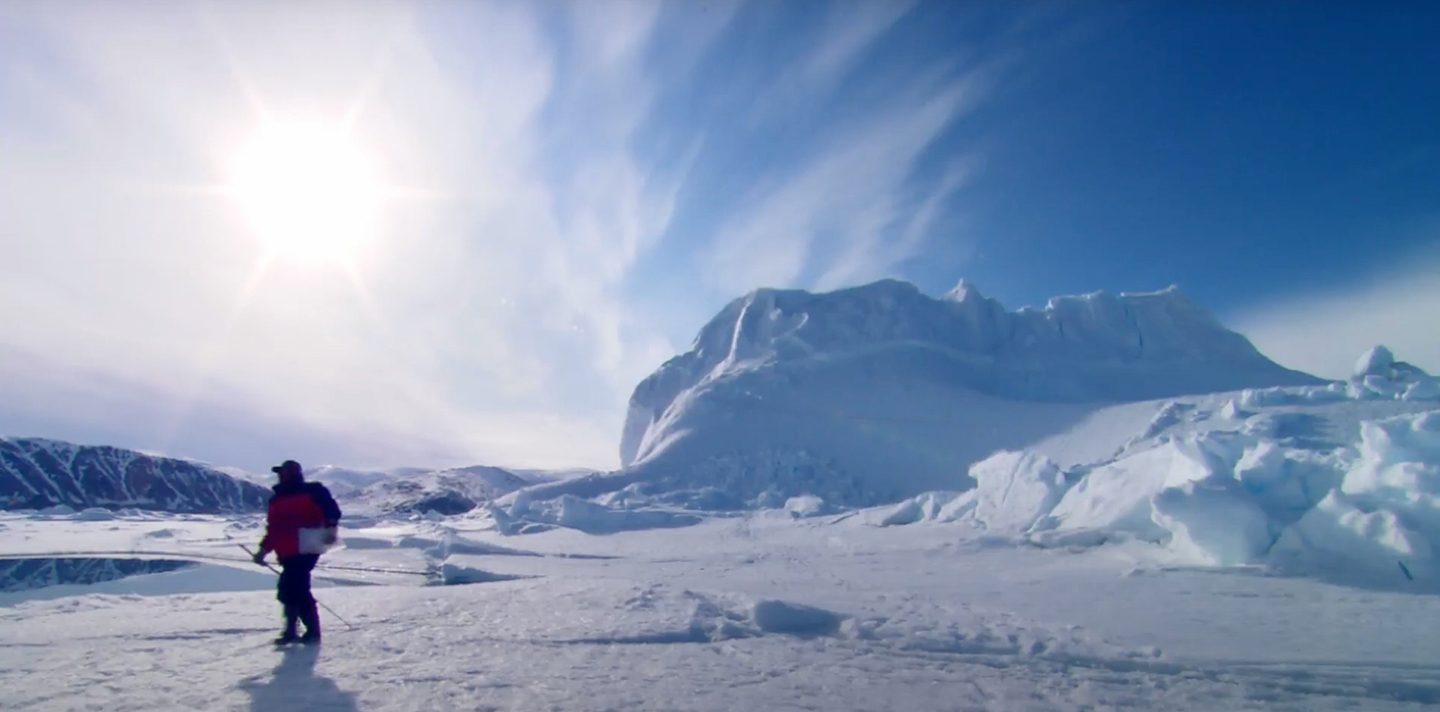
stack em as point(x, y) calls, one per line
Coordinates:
point(294, 686)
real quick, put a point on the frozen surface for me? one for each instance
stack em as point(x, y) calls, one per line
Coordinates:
point(761, 611)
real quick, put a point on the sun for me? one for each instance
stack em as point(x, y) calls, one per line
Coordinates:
point(309, 191)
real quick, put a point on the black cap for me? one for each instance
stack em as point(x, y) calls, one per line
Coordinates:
point(287, 467)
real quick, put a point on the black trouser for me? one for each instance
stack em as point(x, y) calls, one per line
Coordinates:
point(293, 591)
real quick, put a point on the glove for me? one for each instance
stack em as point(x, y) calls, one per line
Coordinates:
point(258, 558)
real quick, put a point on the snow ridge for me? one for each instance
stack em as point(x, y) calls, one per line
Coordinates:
point(444, 492)
point(1094, 347)
point(832, 380)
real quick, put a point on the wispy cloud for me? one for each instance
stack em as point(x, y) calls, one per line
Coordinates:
point(843, 34)
point(496, 326)
point(849, 29)
point(1323, 331)
point(495, 320)
point(856, 209)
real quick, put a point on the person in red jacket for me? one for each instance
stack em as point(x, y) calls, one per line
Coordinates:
point(301, 524)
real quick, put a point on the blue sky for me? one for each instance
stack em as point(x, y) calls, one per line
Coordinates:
point(557, 196)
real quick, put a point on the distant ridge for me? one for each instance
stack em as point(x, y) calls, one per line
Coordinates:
point(36, 473)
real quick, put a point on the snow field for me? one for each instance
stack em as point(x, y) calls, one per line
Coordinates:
point(764, 611)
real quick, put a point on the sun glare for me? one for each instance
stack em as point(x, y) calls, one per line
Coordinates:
point(308, 190)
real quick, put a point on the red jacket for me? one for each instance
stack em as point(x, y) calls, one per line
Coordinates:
point(296, 506)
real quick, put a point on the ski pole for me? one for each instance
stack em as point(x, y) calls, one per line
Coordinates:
point(328, 609)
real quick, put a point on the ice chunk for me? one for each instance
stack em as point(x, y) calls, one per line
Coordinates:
point(1378, 376)
point(455, 575)
point(1331, 393)
point(794, 619)
point(1013, 489)
point(1337, 531)
point(1256, 398)
point(806, 505)
point(1386, 508)
point(921, 508)
point(1285, 483)
point(1117, 495)
point(94, 514)
point(1428, 389)
point(1399, 470)
point(576, 513)
point(1233, 411)
point(1400, 458)
point(1212, 522)
point(1375, 362)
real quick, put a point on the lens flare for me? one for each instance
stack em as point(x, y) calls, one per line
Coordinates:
point(308, 190)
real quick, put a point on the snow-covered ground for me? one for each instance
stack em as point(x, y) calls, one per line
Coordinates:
point(760, 611)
